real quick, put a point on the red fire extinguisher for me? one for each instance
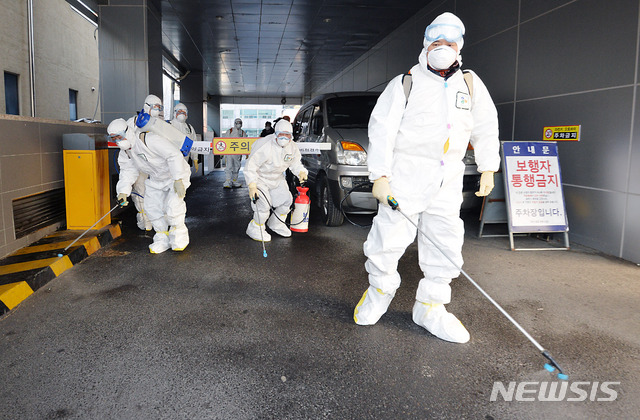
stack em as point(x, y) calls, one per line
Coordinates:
point(300, 216)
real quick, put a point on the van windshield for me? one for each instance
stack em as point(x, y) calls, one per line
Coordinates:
point(350, 111)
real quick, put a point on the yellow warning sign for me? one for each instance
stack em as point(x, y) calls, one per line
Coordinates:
point(562, 133)
point(232, 145)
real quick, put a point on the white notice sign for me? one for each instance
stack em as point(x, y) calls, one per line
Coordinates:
point(535, 201)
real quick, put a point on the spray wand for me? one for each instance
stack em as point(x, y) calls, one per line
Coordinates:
point(264, 251)
point(552, 365)
point(85, 232)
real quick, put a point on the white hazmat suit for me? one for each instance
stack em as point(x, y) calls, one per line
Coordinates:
point(165, 187)
point(418, 144)
point(179, 121)
point(233, 162)
point(120, 130)
point(264, 172)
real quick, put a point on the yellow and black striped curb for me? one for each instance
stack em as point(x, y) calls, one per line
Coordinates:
point(30, 268)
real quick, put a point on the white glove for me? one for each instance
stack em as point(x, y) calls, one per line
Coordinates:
point(486, 184)
point(123, 197)
point(381, 190)
point(302, 176)
point(181, 191)
point(253, 191)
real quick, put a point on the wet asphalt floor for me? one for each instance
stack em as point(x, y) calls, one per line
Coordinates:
point(220, 332)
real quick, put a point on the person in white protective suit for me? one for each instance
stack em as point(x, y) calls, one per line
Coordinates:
point(264, 172)
point(119, 130)
point(153, 106)
point(179, 121)
point(165, 186)
point(233, 162)
point(416, 146)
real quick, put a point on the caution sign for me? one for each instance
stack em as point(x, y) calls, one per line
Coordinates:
point(561, 133)
point(233, 145)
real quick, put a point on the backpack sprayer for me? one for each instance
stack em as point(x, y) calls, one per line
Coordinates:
point(158, 126)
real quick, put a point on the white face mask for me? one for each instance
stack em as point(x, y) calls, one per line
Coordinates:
point(442, 57)
point(156, 111)
point(282, 141)
point(124, 144)
point(181, 118)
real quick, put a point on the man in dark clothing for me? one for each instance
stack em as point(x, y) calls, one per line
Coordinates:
point(267, 129)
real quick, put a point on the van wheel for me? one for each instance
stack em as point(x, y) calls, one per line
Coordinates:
point(331, 215)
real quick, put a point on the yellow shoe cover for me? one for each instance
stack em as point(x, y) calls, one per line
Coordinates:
point(373, 304)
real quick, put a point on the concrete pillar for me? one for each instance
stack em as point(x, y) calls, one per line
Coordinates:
point(192, 95)
point(130, 34)
point(213, 122)
point(213, 113)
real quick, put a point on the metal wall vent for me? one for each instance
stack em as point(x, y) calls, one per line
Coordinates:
point(39, 210)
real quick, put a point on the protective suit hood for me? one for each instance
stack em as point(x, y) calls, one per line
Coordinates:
point(118, 127)
point(180, 112)
point(153, 106)
point(446, 26)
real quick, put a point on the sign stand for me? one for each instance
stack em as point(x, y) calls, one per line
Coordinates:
point(493, 208)
point(534, 197)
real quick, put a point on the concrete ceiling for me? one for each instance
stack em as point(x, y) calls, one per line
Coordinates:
point(275, 48)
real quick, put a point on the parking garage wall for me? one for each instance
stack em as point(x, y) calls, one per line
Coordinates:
point(65, 57)
point(549, 63)
point(14, 52)
point(31, 163)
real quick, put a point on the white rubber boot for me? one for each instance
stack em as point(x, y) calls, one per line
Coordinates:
point(435, 319)
point(253, 230)
point(277, 226)
point(143, 221)
point(373, 304)
point(179, 237)
point(160, 242)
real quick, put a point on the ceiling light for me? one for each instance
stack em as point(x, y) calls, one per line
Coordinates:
point(327, 20)
point(219, 17)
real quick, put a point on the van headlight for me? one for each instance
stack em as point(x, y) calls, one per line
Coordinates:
point(352, 154)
